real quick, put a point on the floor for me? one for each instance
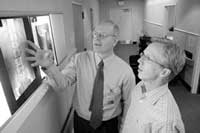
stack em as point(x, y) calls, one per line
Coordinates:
point(189, 105)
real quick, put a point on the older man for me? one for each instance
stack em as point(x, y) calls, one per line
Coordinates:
point(153, 108)
point(104, 81)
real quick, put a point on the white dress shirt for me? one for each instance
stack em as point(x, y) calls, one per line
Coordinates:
point(119, 80)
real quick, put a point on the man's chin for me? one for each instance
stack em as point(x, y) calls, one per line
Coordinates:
point(96, 50)
point(140, 76)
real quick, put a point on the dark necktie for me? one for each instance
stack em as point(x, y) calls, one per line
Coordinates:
point(96, 105)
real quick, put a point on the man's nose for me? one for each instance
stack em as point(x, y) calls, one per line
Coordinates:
point(140, 60)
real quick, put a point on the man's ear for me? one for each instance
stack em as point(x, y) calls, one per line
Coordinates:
point(165, 72)
point(115, 42)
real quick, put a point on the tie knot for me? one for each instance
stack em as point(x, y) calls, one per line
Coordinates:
point(101, 64)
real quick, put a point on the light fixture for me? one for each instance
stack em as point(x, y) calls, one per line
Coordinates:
point(121, 2)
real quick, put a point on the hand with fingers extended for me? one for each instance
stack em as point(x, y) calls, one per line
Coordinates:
point(39, 57)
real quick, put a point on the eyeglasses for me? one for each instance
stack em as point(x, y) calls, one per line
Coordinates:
point(101, 36)
point(147, 58)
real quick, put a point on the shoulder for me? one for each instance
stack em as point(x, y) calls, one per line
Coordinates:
point(83, 55)
point(175, 126)
point(123, 69)
point(168, 107)
point(122, 64)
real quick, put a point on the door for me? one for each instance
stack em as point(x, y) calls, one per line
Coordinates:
point(123, 18)
point(78, 27)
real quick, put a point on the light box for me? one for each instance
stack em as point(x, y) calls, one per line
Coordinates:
point(19, 80)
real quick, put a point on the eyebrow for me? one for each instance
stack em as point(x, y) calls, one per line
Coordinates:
point(154, 59)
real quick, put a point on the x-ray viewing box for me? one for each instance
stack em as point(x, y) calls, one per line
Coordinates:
point(18, 79)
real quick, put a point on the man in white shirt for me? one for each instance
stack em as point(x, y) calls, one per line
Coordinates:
point(153, 108)
point(82, 69)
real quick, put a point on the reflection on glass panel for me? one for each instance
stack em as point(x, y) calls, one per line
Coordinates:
point(44, 40)
point(13, 35)
point(44, 37)
point(42, 34)
point(4, 109)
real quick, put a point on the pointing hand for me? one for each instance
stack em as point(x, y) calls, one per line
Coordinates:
point(39, 57)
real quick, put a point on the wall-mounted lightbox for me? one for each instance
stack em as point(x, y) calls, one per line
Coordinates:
point(18, 80)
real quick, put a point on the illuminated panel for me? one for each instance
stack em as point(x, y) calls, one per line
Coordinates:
point(4, 109)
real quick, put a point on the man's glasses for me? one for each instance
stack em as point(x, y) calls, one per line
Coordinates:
point(101, 36)
point(147, 58)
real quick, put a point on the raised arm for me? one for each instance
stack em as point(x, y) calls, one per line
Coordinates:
point(60, 80)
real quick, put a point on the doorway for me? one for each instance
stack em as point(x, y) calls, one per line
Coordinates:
point(123, 18)
point(78, 27)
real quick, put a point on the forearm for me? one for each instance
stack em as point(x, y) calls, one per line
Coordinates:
point(123, 115)
point(126, 98)
point(57, 79)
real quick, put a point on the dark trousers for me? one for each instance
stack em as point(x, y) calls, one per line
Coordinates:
point(83, 126)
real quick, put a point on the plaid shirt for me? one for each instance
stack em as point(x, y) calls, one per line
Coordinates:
point(153, 112)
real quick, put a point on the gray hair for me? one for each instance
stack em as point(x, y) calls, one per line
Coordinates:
point(173, 56)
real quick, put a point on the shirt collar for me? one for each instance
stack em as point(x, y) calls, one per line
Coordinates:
point(154, 95)
point(107, 59)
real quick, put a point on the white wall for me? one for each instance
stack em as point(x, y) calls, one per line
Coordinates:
point(187, 15)
point(87, 4)
point(155, 17)
point(137, 7)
